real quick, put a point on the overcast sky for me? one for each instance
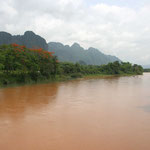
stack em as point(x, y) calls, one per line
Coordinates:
point(116, 27)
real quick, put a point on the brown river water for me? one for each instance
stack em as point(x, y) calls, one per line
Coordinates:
point(110, 113)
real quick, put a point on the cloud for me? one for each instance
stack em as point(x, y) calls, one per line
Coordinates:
point(114, 29)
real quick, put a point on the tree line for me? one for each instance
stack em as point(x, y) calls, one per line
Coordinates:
point(147, 70)
point(19, 64)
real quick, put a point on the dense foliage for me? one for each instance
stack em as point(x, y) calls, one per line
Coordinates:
point(114, 68)
point(19, 64)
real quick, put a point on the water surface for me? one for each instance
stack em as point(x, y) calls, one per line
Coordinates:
point(87, 114)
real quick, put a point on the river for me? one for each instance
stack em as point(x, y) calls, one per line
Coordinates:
point(110, 113)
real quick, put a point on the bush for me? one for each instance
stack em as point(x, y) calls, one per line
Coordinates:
point(76, 75)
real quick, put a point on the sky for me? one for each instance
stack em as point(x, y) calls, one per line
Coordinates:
point(115, 27)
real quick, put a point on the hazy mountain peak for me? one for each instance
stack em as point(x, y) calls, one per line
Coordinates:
point(56, 44)
point(93, 49)
point(29, 39)
point(29, 33)
point(76, 45)
point(2, 32)
point(76, 53)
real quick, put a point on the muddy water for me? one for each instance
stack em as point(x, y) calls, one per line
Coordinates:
point(88, 114)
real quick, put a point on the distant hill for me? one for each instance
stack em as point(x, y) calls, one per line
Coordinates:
point(76, 53)
point(146, 66)
point(29, 39)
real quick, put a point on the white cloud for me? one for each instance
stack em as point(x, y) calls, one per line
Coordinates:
point(114, 29)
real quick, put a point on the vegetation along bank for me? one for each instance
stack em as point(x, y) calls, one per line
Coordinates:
point(19, 64)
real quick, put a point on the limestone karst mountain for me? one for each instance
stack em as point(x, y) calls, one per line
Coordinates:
point(29, 39)
point(76, 53)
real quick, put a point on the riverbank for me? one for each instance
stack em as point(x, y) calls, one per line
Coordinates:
point(107, 75)
point(63, 78)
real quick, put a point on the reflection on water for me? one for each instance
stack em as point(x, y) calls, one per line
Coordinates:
point(89, 114)
point(19, 99)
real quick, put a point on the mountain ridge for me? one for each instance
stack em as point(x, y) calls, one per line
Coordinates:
point(90, 56)
point(29, 39)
